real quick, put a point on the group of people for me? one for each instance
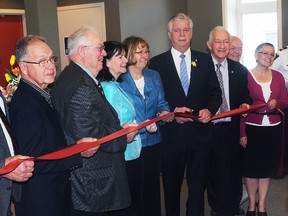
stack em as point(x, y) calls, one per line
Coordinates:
point(113, 85)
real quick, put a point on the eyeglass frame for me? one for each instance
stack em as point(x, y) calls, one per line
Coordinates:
point(266, 54)
point(51, 59)
point(141, 53)
point(100, 47)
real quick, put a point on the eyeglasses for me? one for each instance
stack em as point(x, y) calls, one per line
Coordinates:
point(267, 54)
point(44, 62)
point(143, 52)
point(100, 47)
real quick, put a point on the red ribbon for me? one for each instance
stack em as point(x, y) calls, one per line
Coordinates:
point(238, 111)
point(76, 149)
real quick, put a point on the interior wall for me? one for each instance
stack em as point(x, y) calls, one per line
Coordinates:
point(284, 23)
point(11, 4)
point(206, 14)
point(41, 19)
point(148, 19)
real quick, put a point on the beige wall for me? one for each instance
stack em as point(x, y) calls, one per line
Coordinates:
point(150, 18)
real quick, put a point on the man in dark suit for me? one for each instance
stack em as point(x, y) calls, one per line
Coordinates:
point(186, 143)
point(225, 176)
point(39, 131)
point(7, 154)
point(100, 186)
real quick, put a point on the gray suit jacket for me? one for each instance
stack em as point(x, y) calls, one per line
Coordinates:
point(101, 184)
point(5, 184)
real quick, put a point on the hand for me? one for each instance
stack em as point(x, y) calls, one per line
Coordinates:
point(181, 120)
point(131, 135)
point(272, 104)
point(168, 119)
point(152, 128)
point(245, 105)
point(243, 141)
point(23, 172)
point(89, 152)
point(204, 115)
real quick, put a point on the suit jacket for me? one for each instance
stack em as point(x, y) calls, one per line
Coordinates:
point(148, 107)
point(204, 92)
point(238, 92)
point(39, 132)
point(101, 184)
point(5, 184)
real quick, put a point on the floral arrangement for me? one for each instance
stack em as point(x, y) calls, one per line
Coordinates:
point(194, 63)
point(12, 77)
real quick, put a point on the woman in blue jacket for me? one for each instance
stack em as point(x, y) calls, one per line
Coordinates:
point(145, 88)
point(114, 65)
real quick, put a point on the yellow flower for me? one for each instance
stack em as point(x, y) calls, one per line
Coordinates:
point(7, 77)
point(12, 60)
point(194, 63)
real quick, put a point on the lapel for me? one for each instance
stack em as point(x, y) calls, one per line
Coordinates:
point(132, 85)
point(193, 68)
point(8, 127)
point(232, 80)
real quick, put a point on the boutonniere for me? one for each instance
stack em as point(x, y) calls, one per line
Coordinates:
point(194, 63)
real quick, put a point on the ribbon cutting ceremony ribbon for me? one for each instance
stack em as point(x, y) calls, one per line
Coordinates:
point(237, 111)
point(83, 146)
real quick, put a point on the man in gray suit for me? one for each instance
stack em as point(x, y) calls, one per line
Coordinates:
point(100, 187)
point(22, 173)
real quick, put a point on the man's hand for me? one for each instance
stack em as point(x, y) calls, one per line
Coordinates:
point(204, 115)
point(181, 120)
point(23, 172)
point(89, 152)
point(131, 135)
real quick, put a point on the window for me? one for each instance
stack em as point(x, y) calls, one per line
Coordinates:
point(255, 22)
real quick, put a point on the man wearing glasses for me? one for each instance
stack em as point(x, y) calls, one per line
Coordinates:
point(39, 132)
point(100, 186)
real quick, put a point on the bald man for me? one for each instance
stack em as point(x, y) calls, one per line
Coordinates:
point(235, 51)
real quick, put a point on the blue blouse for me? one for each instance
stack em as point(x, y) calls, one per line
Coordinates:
point(126, 114)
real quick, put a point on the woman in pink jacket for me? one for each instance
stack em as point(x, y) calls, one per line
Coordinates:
point(261, 130)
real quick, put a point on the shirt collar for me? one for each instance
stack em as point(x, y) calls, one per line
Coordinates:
point(88, 72)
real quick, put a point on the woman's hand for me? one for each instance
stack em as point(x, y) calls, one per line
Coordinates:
point(152, 128)
point(168, 119)
point(272, 104)
point(243, 141)
point(131, 135)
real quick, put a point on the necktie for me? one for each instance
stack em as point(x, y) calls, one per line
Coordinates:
point(10, 131)
point(224, 105)
point(183, 74)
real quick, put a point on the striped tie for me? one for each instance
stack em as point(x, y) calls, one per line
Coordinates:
point(224, 105)
point(183, 74)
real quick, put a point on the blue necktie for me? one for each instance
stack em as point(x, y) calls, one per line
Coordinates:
point(183, 74)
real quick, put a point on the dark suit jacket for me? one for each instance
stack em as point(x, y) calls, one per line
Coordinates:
point(101, 184)
point(39, 132)
point(238, 92)
point(204, 92)
point(5, 184)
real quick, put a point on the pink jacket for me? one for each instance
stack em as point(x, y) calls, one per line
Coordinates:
point(278, 92)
